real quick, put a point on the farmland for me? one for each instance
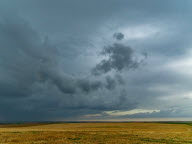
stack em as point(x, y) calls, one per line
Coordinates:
point(96, 133)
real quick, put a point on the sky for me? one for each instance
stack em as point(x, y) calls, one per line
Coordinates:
point(95, 60)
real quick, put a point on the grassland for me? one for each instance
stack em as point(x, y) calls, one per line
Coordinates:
point(96, 133)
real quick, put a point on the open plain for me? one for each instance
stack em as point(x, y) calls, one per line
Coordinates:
point(96, 133)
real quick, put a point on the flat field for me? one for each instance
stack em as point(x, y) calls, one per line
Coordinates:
point(96, 133)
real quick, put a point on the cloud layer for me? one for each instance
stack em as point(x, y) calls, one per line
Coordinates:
point(91, 58)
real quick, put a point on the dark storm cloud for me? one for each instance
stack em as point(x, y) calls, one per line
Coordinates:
point(36, 64)
point(119, 57)
point(20, 58)
point(27, 59)
point(50, 78)
point(71, 85)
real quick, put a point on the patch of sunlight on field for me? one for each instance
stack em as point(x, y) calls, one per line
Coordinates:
point(96, 133)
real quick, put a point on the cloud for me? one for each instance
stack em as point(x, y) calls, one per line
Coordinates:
point(155, 114)
point(131, 112)
point(118, 36)
point(110, 83)
point(36, 62)
point(119, 57)
point(31, 73)
point(123, 113)
point(21, 57)
point(50, 70)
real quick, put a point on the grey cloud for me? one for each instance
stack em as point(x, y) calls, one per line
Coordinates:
point(118, 36)
point(37, 62)
point(31, 74)
point(161, 114)
point(119, 57)
point(49, 78)
point(20, 59)
point(110, 83)
point(73, 85)
point(87, 85)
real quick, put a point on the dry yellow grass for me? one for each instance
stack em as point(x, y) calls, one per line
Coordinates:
point(96, 133)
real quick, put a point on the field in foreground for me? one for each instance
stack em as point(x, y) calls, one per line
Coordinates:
point(96, 133)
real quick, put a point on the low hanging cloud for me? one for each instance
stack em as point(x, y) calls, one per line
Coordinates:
point(119, 58)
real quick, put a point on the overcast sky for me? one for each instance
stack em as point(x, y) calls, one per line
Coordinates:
point(95, 59)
